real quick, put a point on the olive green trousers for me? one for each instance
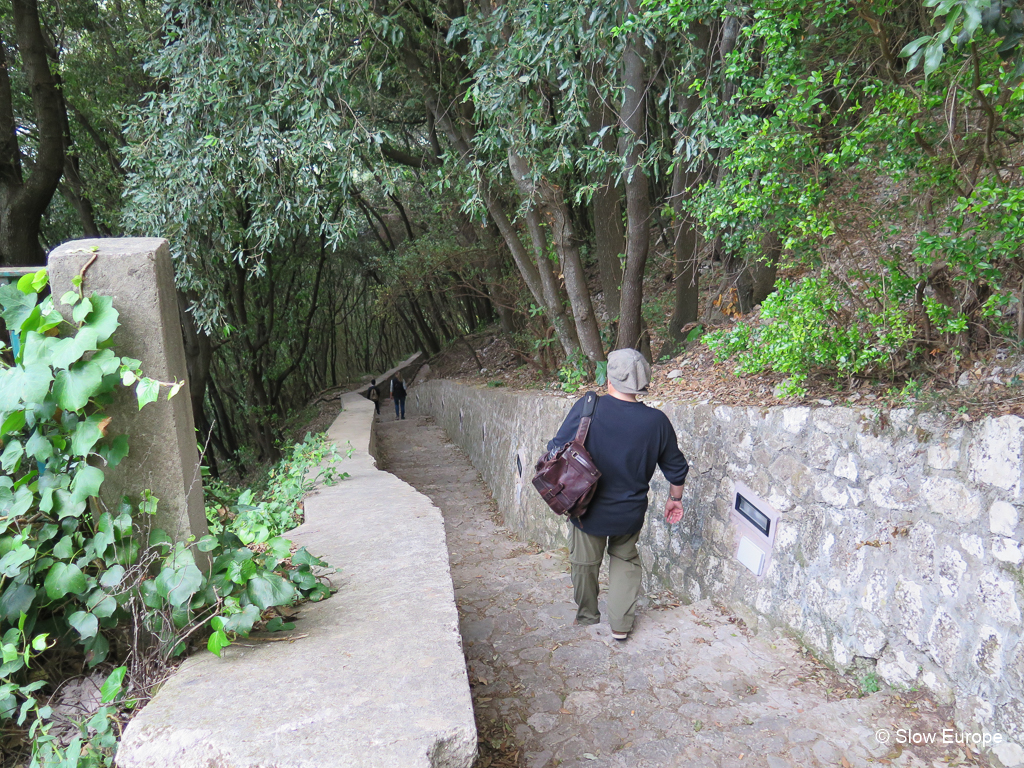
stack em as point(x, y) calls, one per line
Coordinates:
point(624, 572)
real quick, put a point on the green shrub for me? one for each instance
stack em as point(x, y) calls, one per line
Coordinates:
point(808, 328)
point(574, 374)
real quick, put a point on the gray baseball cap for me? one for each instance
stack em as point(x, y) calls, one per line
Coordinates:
point(628, 371)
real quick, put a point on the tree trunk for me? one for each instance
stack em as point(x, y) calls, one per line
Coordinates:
point(685, 261)
point(538, 275)
point(685, 236)
point(563, 235)
point(764, 269)
point(23, 201)
point(499, 298)
point(606, 207)
point(638, 205)
point(198, 358)
point(433, 345)
point(548, 294)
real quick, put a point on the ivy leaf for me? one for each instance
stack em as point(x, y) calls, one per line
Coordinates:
point(75, 386)
point(302, 557)
point(111, 687)
point(18, 504)
point(116, 451)
point(64, 549)
point(319, 592)
point(38, 446)
point(207, 544)
point(267, 589)
point(62, 579)
point(101, 604)
point(103, 318)
point(147, 391)
point(178, 585)
point(242, 622)
point(104, 534)
point(86, 624)
point(241, 572)
point(27, 386)
point(159, 538)
point(112, 576)
point(10, 459)
point(66, 352)
point(66, 505)
point(303, 578)
point(13, 423)
point(107, 361)
point(9, 390)
point(81, 310)
point(281, 548)
point(10, 564)
point(87, 482)
point(35, 383)
point(149, 503)
point(87, 434)
point(16, 600)
point(96, 650)
point(9, 666)
point(17, 306)
point(218, 641)
point(33, 282)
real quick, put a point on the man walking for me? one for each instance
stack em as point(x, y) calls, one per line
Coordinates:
point(398, 395)
point(374, 394)
point(627, 439)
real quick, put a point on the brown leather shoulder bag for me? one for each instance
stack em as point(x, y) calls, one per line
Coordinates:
point(567, 477)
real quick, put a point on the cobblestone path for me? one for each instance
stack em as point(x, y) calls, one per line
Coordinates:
point(691, 687)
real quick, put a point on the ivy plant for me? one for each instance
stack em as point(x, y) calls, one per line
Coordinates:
point(73, 572)
point(274, 505)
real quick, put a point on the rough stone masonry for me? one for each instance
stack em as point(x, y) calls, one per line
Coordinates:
point(898, 549)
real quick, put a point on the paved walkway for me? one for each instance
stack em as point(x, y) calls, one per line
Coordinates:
point(691, 687)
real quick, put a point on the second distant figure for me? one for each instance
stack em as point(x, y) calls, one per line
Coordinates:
point(398, 395)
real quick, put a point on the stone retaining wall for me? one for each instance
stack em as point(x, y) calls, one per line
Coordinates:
point(897, 553)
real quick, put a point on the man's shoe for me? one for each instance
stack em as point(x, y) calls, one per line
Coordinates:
point(620, 636)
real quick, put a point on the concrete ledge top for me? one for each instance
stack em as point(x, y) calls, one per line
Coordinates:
point(379, 680)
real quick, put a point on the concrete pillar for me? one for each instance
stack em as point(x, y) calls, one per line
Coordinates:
point(138, 275)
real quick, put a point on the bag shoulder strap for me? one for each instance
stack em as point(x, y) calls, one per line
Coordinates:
point(590, 402)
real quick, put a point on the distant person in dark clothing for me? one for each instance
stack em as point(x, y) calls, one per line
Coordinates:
point(398, 395)
point(627, 440)
point(374, 394)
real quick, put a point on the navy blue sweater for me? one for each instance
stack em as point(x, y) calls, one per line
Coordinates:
point(626, 441)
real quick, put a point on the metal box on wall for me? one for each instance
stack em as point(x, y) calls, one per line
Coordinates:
point(755, 522)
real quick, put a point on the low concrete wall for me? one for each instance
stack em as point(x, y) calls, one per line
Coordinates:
point(379, 678)
point(898, 547)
